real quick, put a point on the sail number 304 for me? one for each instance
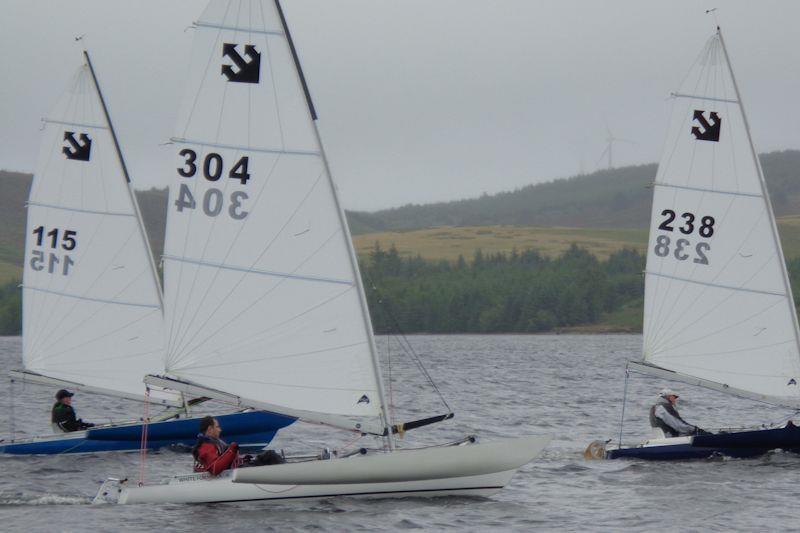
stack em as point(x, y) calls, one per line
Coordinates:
point(212, 168)
point(682, 248)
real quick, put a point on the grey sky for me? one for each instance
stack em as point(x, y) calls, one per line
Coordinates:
point(420, 100)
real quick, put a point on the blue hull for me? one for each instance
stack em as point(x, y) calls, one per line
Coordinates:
point(253, 428)
point(740, 444)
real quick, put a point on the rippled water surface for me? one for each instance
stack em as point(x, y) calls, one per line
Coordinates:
point(569, 387)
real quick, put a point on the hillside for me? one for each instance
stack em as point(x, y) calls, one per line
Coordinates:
point(616, 198)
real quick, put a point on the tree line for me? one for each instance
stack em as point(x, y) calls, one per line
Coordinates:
point(516, 292)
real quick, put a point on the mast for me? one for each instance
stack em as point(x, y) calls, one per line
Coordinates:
point(124, 167)
point(765, 192)
point(345, 235)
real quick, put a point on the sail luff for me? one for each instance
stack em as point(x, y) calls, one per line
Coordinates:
point(128, 184)
point(765, 194)
point(345, 233)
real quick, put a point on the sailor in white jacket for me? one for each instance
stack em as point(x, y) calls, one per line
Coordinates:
point(664, 415)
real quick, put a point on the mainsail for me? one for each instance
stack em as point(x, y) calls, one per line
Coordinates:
point(92, 314)
point(718, 306)
point(262, 293)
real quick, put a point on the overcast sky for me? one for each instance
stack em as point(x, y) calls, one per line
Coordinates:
point(420, 100)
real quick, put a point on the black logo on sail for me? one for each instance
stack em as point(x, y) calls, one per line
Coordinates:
point(707, 131)
point(78, 149)
point(792, 382)
point(247, 71)
point(363, 399)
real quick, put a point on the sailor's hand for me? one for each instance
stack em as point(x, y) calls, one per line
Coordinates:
point(234, 446)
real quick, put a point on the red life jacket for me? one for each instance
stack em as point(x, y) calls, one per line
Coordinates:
point(210, 456)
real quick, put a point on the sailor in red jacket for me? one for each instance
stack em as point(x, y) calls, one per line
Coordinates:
point(212, 454)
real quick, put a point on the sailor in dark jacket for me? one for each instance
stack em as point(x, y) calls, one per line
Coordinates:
point(665, 416)
point(63, 415)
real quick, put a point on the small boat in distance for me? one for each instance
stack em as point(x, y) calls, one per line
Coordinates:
point(264, 302)
point(92, 303)
point(718, 310)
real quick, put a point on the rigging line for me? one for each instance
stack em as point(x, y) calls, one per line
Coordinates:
point(279, 357)
point(410, 349)
point(257, 259)
point(253, 338)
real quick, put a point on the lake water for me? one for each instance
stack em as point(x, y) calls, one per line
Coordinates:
point(567, 386)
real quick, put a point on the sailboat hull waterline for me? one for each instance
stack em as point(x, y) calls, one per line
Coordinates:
point(250, 429)
point(467, 469)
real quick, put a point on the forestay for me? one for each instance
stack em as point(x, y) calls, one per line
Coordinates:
point(261, 290)
point(91, 301)
point(717, 299)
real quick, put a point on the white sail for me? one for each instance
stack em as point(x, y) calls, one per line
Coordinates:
point(717, 301)
point(91, 302)
point(262, 296)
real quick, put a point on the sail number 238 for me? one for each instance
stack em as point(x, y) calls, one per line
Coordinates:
point(212, 168)
point(682, 248)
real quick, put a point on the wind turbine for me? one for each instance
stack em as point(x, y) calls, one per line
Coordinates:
point(610, 140)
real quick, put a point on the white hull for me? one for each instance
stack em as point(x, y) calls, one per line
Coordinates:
point(472, 469)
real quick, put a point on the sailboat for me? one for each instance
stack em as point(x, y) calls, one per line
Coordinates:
point(718, 309)
point(92, 302)
point(264, 303)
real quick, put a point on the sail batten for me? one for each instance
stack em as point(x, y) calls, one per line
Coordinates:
point(718, 306)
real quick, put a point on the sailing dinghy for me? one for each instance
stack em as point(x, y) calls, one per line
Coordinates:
point(263, 298)
point(92, 310)
point(718, 309)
